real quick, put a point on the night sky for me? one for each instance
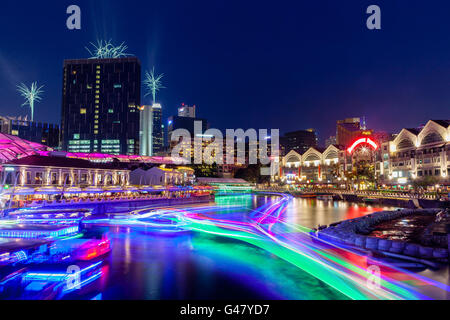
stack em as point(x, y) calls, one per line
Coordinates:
point(248, 64)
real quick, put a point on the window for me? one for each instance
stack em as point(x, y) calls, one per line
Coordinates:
point(82, 110)
point(96, 116)
point(38, 178)
point(117, 86)
point(95, 131)
point(76, 136)
point(54, 178)
point(15, 132)
point(110, 111)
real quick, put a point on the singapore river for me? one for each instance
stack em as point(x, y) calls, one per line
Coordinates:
point(145, 263)
point(236, 247)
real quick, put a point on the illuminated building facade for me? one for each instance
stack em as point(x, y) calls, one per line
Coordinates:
point(35, 171)
point(39, 132)
point(151, 137)
point(186, 123)
point(100, 105)
point(314, 166)
point(417, 154)
point(158, 176)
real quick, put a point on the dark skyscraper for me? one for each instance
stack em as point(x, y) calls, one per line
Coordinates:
point(158, 129)
point(43, 133)
point(100, 105)
point(299, 141)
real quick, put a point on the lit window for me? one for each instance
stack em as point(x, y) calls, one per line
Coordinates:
point(97, 77)
point(95, 131)
point(96, 116)
point(89, 86)
point(96, 97)
point(96, 121)
point(82, 110)
point(74, 72)
point(116, 86)
point(15, 132)
point(110, 111)
point(76, 136)
point(95, 127)
point(97, 101)
point(97, 81)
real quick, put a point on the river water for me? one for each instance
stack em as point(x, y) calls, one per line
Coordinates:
point(144, 264)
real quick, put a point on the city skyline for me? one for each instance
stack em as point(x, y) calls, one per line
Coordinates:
point(381, 82)
point(203, 151)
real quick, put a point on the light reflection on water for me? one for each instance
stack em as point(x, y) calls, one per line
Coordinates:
point(147, 265)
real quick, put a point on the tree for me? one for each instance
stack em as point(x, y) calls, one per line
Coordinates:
point(205, 170)
point(252, 173)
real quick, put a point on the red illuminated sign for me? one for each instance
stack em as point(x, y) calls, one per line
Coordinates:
point(359, 141)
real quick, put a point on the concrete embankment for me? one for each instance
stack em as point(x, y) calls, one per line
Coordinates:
point(392, 201)
point(351, 232)
point(395, 202)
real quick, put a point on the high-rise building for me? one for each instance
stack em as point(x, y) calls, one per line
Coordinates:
point(330, 141)
point(299, 141)
point(158, 129)
point(100, 105)
point(151, 130)
point(349, 129)
point(186, 111)
point(40, 132)
point(186, 122)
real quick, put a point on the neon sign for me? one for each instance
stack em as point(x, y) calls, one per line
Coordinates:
point(361, 141)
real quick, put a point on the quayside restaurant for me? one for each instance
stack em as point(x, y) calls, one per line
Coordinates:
point(31, 173)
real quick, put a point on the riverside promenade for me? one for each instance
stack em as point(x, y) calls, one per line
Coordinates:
point(388, 198)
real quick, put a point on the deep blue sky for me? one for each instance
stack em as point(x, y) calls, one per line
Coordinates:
point(250, 64)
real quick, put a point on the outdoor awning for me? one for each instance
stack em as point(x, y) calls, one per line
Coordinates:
point(48, 190)
point(19, 191)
